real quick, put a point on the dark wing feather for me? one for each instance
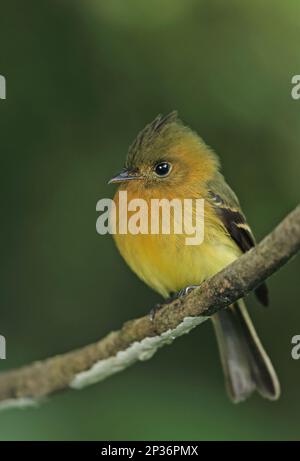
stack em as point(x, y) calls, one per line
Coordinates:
point(228, 208)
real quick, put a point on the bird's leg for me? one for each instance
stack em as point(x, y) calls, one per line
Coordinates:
point(158, 306)
point(186, 291)
point(179, 294)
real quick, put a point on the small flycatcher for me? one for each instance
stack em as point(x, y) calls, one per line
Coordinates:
point(166, 161)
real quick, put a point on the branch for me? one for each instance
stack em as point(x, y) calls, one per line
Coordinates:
point(139, 339)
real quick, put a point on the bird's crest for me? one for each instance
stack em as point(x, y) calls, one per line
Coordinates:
point(149, 134)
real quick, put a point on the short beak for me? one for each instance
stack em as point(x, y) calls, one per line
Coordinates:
point(125, 175)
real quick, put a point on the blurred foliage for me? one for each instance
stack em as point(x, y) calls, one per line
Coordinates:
point(82, 78)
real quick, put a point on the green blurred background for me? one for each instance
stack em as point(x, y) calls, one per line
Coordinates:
point(82, 78)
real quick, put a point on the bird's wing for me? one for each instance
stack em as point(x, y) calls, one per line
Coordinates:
point(227, 207)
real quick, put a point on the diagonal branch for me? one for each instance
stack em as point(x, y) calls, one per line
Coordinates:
point(139, 339)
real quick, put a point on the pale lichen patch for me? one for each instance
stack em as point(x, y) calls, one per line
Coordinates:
point(22, 402)
point(142, 350)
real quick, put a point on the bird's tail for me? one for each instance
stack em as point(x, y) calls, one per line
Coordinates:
point(245, 363)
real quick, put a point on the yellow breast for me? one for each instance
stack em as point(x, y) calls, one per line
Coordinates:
point(166, 263)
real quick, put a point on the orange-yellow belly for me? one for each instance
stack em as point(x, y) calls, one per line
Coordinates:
point(167, 264)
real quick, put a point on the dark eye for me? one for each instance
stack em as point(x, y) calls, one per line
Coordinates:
point(162, 168)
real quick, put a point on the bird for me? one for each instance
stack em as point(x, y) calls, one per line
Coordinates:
point(170, 160)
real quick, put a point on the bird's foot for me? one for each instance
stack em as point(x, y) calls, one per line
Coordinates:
point(158, 306)
point(179, 294)
point(186, 291)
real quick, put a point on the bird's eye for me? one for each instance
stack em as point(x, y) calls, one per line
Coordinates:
point(162, 168)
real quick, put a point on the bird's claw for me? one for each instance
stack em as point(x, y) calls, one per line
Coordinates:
point(153, 311)
point(185, 291)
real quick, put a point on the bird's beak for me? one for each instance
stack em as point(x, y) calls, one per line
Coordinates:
point(125, 175)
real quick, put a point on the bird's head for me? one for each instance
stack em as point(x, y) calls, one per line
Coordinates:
point(166, 154)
